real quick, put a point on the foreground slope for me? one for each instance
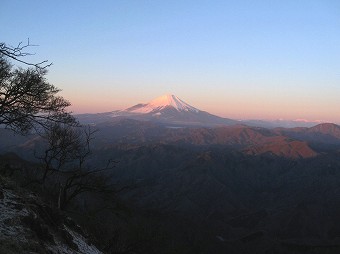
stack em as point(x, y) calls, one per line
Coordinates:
point(29, 225)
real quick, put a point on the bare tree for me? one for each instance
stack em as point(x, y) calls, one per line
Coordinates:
point(27, 100)
point(66, 156)
point(66, 146)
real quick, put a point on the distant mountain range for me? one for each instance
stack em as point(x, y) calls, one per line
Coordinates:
point(171, 110)
point(222, 185)
point(282, 142)
point(169, 120)
point(293, 143)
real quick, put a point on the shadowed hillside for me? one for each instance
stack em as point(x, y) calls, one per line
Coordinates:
point(231, 189)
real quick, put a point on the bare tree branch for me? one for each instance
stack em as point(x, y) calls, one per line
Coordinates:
point(17, 52)
point(66, 154)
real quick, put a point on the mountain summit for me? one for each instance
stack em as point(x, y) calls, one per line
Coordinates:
point(162, 102)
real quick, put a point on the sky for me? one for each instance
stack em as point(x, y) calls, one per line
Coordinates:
point(240, 59)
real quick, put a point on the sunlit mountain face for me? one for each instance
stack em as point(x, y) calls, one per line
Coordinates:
point(166, 109)
point(161, 103)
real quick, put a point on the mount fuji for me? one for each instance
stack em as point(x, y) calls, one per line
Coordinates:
point(167, 109)
point(170, 109)
point(161, 103)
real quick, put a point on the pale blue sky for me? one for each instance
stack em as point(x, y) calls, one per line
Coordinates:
point(238, 59)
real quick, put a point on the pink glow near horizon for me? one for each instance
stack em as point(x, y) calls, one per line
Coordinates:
point(229, 58)
point(234, 110)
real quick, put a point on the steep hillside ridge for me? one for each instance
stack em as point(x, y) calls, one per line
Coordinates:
point(289, 143)
point(326, 134)
point(250, 140)
point(283, 147)
point(327, 129)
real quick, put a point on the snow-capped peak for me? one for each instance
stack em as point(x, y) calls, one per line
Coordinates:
point(162, 102)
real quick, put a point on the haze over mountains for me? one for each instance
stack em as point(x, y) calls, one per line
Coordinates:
point(171, 110)
point(170, 120)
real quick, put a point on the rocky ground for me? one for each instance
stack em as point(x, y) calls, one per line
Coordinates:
point(29, 225)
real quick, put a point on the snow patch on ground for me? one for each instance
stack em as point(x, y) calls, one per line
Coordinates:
point(15, 207)
point(80, 241)
point(10, 216)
